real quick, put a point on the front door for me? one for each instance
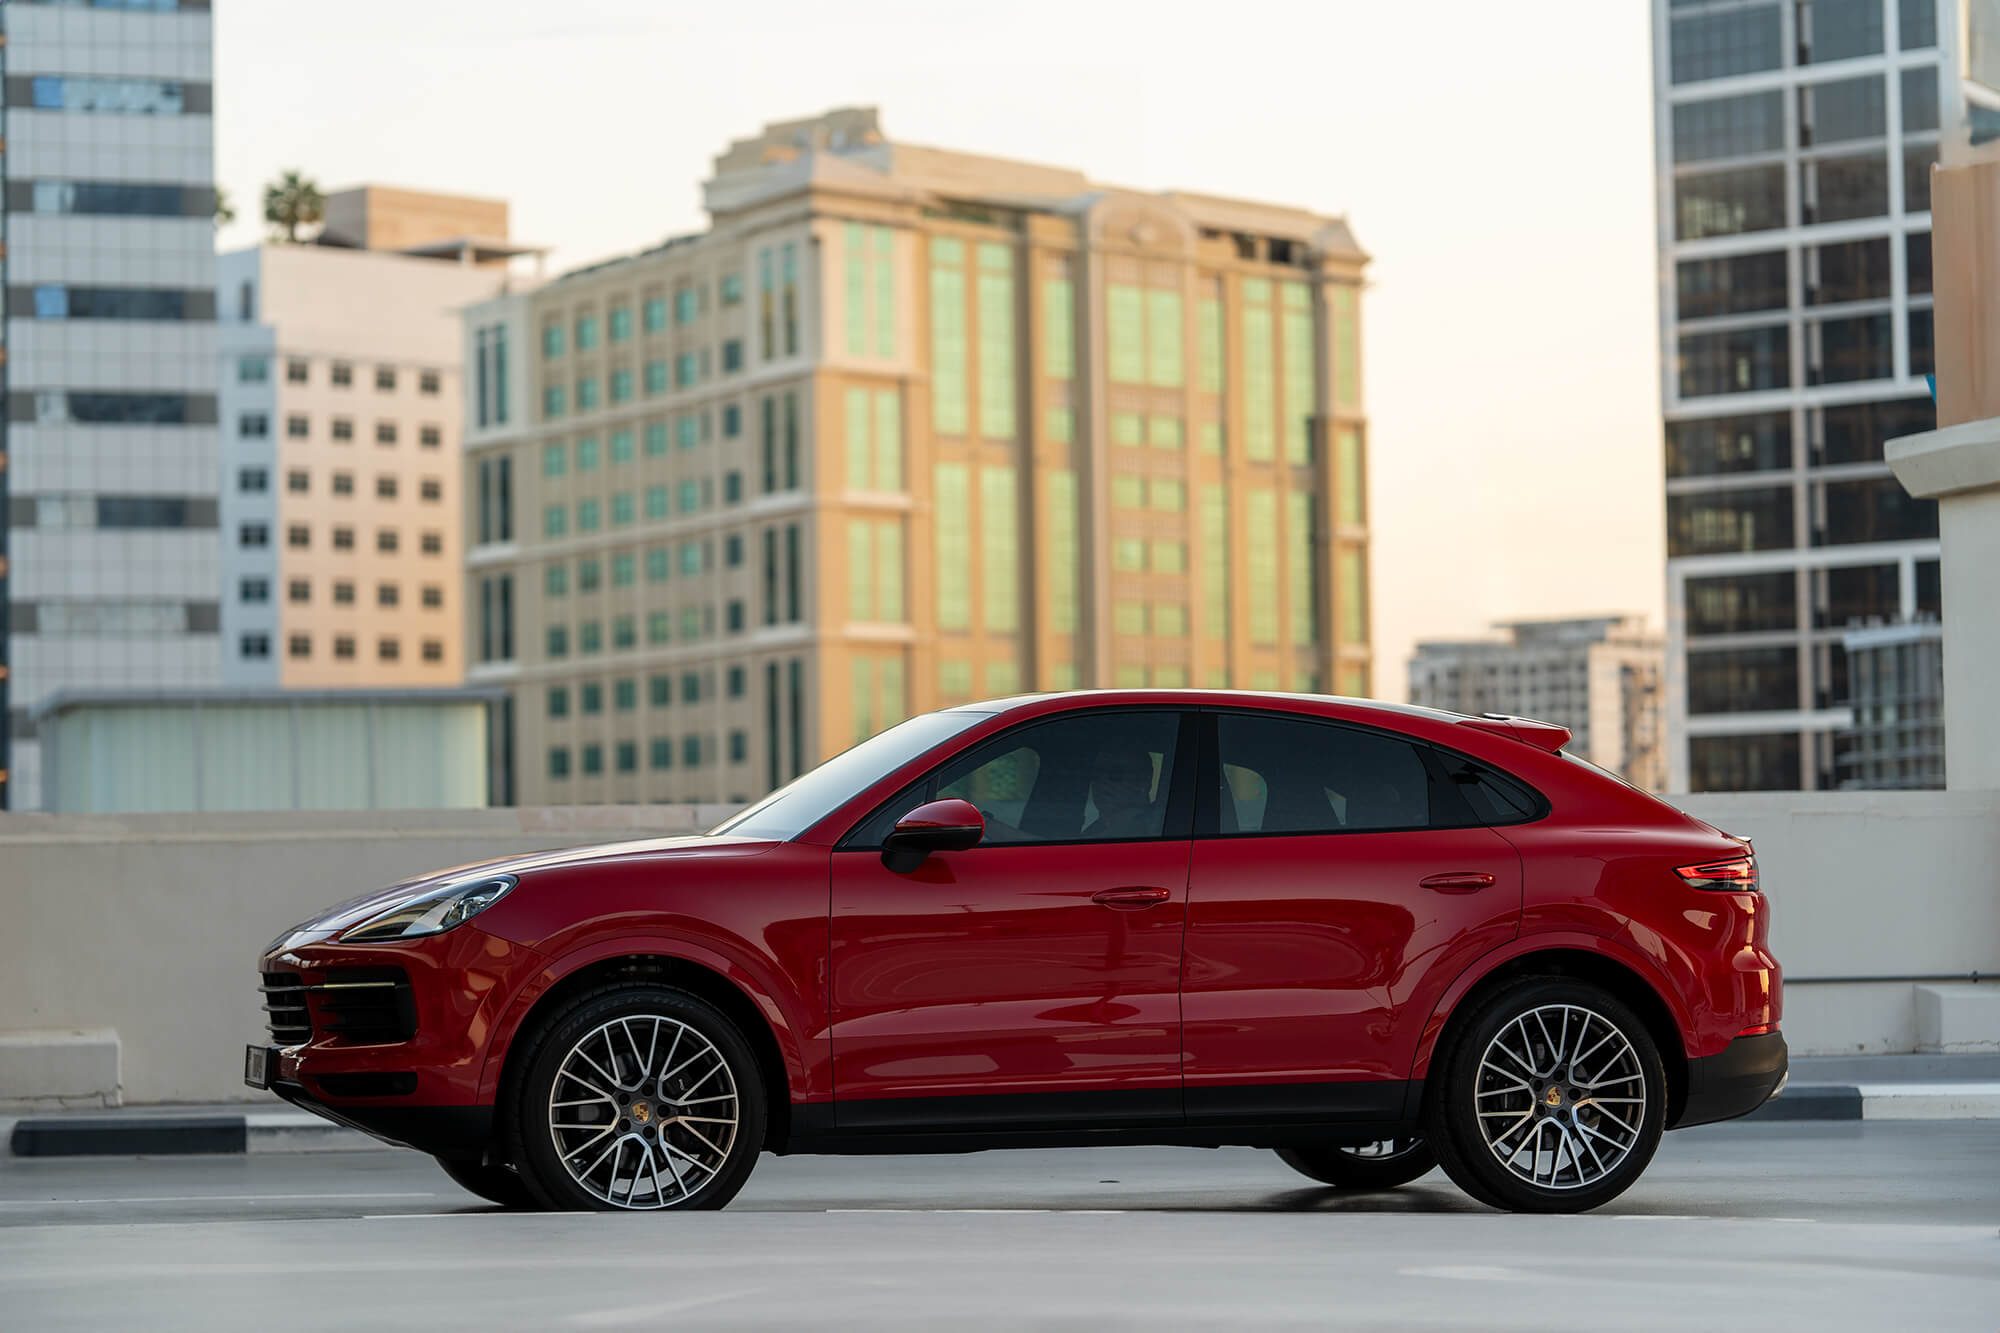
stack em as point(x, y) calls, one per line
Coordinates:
point(1034, 978)
point(1339, 885)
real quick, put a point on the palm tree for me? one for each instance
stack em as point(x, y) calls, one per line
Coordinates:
point(225, 212)
point(293, 201)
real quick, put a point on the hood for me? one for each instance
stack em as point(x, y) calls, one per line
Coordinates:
point(358, 909)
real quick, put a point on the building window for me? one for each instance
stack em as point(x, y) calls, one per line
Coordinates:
point(1758, 518)
point(558, 762)
point(253, 426)
point(297, 427)
point(427, 382)
point(385, 379)
point(431, 489)
point(433, 543)
point(253, 590)
point(253, 480)
point(299, 591)
point(343, 429)
point(254, 646)
point(385, 432)
point(296, 370)
point(388, 650)
point(1736, 361)
point(593, 760)
point(298, 536)
point(1759, 442)
point(1730, 126)
point(341, 374)
point(299, 645)
point(385, 487)
point(1729, 202)
point(343, 592)
point(433, 597)
point(586, 332)
point(343, 483)
point(343, 647)
point(387, 594)
point(1717, 46)
point(386, 540)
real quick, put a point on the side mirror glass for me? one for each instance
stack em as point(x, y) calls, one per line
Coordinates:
point(938, 826)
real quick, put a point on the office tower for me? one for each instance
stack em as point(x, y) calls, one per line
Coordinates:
point(906, 428)
point(1794, 146)
point(108, 542)
point(1599, 676)
point(341, 404)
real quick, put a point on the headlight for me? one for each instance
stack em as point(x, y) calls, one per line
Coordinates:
point(431, 911)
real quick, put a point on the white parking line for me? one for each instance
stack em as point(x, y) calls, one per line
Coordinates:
point(214, 1198)
point(643, 1314)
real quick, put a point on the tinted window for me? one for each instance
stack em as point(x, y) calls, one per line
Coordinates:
point(1280, 775)
point(1493, 797)
point(1104, 776)
point(1098, 777)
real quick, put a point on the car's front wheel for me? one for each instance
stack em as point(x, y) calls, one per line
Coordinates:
point(638, 1097)
point(1551, 1099)
point(1382, 1165)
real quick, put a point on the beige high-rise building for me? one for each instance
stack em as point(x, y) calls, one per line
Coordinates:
point(341, 413)
point(904, 428)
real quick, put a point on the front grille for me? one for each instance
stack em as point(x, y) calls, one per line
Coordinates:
point(368, 1006)
point(285, 1008)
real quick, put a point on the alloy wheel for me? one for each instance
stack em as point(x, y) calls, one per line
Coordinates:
point(643, 1111)
point(1560, 1097)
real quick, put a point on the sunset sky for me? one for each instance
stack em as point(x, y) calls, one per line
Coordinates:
point(1495, 159)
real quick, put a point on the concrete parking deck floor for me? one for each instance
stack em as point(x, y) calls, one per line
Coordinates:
point(1867, 1225)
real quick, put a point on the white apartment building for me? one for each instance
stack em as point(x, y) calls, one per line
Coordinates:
point(109, 551)
point(341, 403)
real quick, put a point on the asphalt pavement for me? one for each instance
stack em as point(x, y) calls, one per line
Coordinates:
point(1860, 1225)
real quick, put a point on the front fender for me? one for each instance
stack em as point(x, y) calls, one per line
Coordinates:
point(802, 1044)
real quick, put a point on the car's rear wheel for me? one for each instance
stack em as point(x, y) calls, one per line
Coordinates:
point(1551, 1099)
point(1381, 1165)
point(638, 1097)
point(495, 1184)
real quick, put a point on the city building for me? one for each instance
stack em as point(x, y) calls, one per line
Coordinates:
point(341, 405)
point(1895, 679)
point(907, 427)
point(108, 541)
point(109, 752)
point(1794, 147)
point(1600, 676)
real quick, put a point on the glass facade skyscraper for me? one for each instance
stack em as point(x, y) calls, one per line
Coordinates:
point(1794, 144)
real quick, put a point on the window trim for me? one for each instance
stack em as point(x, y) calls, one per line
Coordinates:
point(1175, 827)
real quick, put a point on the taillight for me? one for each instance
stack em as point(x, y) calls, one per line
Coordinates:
point(1737, 875)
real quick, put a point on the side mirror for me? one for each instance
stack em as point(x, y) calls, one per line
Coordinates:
point(939, 826)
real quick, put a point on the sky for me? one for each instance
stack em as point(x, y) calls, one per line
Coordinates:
point(1496, 160)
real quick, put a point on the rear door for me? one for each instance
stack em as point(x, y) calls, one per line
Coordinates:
point(1337, 883)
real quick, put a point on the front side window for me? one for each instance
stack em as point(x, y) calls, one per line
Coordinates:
point(1088, 777)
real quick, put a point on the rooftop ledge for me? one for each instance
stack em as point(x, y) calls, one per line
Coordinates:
point(1951, 461)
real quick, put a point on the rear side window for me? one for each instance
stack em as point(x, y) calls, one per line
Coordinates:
point(1493, 797)
point(1284, 775)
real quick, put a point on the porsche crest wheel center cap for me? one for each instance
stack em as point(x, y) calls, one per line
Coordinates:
point(641, 1112)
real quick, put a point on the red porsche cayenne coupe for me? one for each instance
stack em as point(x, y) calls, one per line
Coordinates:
point(1374, 938)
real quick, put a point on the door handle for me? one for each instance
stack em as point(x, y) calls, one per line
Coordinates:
point(1131, 899)
point(1458, 881)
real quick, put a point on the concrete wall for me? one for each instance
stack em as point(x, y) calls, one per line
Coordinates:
point(1870, 884)
point(149, 925)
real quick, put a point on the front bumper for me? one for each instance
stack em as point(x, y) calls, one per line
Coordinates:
point(1735, 1081)
point(445, 1131)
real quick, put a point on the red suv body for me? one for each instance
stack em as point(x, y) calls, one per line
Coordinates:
point(1373, 937)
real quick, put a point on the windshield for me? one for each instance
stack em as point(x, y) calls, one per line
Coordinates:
point(811, 797)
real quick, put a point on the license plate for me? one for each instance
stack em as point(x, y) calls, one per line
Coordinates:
point(257, 1067)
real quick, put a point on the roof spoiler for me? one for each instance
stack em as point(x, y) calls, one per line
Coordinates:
point(1542, 735)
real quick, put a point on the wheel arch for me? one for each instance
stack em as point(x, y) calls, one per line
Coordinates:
point(1587, 959)
point(777, 1060)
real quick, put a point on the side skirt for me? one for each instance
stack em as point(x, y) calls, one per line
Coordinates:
point(1256, 1116)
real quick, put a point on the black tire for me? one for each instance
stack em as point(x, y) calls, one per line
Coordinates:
point(736, 1089)
point(1352, 1169)
point(1558, 1115)
point(495, 1184)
